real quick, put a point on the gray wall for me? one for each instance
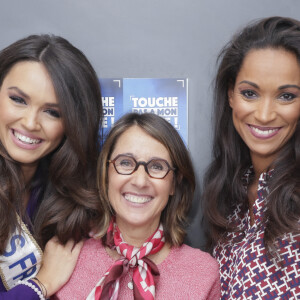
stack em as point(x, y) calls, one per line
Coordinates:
point(149, 38)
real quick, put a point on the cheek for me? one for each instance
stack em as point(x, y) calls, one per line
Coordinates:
point(6, 114)
point(113, 187)
point(239, 110)
point(111, 196)
point(235, 119)
point(167, 188)
point(241, 113)
point(292, 115)
point(56, 132)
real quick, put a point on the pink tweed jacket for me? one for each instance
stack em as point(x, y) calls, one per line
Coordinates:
point(186, 273)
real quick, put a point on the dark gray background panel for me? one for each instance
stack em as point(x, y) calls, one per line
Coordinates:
point(149, 38)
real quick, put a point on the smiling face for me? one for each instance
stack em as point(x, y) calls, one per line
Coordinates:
point(265, 102)
point(30, 123)
point(137, 199)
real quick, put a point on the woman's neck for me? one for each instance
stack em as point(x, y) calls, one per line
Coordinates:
point(136, 236)
point(28, 172)
point(26, 199)
point(157, 257)
point(261, 164)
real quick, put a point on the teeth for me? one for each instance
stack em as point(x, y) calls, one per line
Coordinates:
point(136, 199)
point(25, 139)
point(264, 132)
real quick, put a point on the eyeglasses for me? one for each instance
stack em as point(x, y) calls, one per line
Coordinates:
point(155, 168)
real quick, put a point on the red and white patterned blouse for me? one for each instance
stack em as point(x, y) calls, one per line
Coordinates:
point(246, 271)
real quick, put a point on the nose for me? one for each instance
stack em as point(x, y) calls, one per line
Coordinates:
point(140, 177)
point(30, 120)
point(265, 111)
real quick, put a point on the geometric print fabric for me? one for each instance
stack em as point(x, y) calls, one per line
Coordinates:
point(246, 271)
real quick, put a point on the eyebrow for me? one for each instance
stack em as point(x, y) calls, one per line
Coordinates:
point(23, 94)
point(286, 86)
point(250, 83)
point(54, 105)
point(127, 154)
point(289, 86)
point(132, 155)
point(19, 91)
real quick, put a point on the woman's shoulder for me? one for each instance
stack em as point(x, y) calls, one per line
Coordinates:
point(189, 273)
point(193, 258)
point(92, 247)
point(92, 262)
point(92, 251)
point(188, 250)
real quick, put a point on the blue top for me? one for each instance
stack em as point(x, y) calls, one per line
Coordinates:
point(21, 292)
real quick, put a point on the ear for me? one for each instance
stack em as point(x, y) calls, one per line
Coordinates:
point(172, 191)
point(230, 96)
point(178, 180)
point(172, 188)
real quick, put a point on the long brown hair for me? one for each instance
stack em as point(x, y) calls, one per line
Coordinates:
point(224, 188)
point(66, 177)
point(174, 215)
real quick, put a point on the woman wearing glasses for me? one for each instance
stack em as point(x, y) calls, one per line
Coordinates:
point(146, 183)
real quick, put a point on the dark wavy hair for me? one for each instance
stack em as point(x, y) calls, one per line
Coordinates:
point(66, 177)
point(174, 215)
point(224, 189)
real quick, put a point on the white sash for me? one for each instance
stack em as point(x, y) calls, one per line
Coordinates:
point(21, 259)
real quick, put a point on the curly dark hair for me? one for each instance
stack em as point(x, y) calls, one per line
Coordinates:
point(224, 189)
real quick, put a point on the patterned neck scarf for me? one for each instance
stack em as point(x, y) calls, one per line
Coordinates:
point(144, 270)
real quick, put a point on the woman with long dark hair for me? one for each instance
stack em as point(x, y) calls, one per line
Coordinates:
point(50, 111)
point(252, 188)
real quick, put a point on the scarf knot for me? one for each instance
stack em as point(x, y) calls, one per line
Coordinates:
point(144, 270)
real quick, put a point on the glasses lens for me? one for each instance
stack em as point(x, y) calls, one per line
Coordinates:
point(157, 168)
point(125, 164)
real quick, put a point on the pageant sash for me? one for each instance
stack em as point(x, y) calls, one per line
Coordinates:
point(21, 259)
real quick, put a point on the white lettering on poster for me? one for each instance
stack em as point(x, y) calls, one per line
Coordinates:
point(166, 107)
point(108, 104)
point(153, 102)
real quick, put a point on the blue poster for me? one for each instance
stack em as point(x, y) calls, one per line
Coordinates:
point(166, 97)
point(112, 102)
point(163, 96)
